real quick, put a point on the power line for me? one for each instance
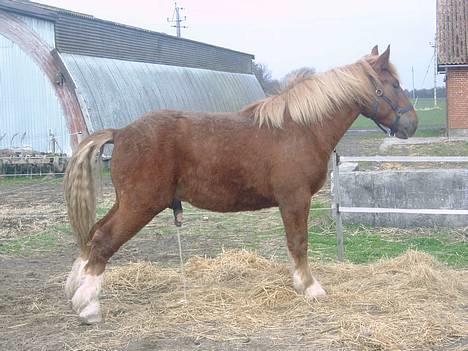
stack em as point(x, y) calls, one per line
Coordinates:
point(424, 79)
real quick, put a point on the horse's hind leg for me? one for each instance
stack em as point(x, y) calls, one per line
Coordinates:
point(123, 221)
point(295, 212)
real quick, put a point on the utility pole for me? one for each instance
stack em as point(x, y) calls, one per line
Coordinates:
point(414, 92)
point(434, 45)
point(177, 20)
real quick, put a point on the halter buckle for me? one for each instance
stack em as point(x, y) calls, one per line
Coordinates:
point(378, 92)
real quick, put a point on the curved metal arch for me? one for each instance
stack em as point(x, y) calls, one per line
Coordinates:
point(35, 47)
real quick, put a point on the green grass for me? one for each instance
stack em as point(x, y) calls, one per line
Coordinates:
point(43, 241)
point(263, 231)
point(25, 180)
point(365, 244)
point(432, 118)
point(454, 254)
point(430, 133)
point(428, 119)
point(101, 211)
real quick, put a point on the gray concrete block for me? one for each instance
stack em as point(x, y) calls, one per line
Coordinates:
point(413, 189)
point(349, 166)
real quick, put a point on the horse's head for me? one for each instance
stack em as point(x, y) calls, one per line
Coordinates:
point(391, 107)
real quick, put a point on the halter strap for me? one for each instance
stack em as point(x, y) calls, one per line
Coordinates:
point(398, 111)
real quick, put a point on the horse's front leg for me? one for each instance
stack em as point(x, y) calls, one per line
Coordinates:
point(295, 212)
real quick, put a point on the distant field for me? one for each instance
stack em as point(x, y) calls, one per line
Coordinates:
point(430, 119)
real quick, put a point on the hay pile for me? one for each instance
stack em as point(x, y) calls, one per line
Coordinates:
point(408, 303)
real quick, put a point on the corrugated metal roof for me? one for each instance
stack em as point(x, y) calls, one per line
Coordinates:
point(452, 32)
point(81, 34)
point(26, 7)
point(92, 37)
point(116, 92)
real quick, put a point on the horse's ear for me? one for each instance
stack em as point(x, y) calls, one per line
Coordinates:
point(382, 61)
point(375, 50)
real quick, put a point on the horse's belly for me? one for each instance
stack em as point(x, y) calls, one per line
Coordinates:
point(229, 206)
point(224, 199)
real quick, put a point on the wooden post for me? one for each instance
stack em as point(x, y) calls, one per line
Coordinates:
point(336, 205)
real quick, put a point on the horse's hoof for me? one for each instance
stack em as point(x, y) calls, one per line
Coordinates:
point(314, 291)
point(91, 314)
point(87, 294)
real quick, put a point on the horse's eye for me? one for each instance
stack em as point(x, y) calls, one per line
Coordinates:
point(396, 85)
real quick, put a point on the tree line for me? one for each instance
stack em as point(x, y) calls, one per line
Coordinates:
point(427, 93)
point(272, 86)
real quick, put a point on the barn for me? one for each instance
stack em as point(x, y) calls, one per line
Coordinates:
point(65, 74)
point(452, 44)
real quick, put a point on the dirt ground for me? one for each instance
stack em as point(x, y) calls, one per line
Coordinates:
point(34, 314)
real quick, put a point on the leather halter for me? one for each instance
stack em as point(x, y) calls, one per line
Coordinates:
point(398, 112)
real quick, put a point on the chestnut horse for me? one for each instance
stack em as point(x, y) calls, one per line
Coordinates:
point(274, 152)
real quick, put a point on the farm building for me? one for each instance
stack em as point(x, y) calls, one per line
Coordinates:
point(452, 42)
point(64, 75)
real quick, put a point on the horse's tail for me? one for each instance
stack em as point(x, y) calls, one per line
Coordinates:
point(80, 185)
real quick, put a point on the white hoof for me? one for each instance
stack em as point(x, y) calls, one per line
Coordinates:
point(314, 291)
point(75, 278)
point(298, 282)
point(91, 314)
point(87, 295)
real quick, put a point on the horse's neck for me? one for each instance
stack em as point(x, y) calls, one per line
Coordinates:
point(332, 129)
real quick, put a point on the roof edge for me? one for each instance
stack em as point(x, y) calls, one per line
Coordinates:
point(47, 12)
point(22, 8)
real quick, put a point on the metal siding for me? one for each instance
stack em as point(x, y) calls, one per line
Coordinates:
point(45, 29)
point(117, 92)
point(93, 37)
point(28, 102)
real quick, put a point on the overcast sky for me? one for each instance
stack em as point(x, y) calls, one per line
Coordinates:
point(286, 35)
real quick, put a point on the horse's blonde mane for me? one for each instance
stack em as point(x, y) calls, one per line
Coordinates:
point(310, 98)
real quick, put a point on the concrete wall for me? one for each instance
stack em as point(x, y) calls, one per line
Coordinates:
point(431, 189)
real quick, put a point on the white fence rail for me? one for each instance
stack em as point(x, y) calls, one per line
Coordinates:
point(344, 209)
point(404, 159)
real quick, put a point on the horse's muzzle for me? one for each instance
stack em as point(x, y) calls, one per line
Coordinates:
point(407, 125)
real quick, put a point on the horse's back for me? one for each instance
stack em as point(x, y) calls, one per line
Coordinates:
point(223, 162)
